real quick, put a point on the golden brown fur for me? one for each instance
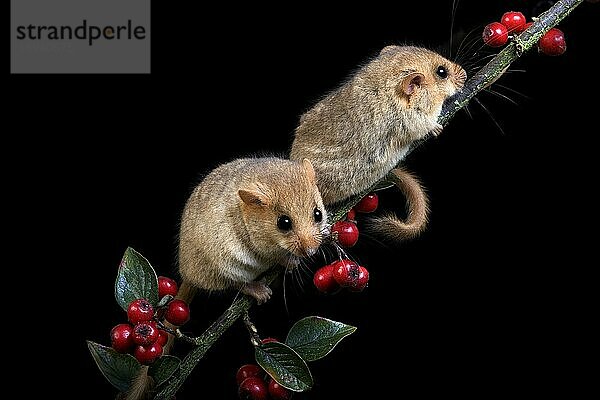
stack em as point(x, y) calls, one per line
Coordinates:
point(229, 233)
point(417, 214)
point(357, 134)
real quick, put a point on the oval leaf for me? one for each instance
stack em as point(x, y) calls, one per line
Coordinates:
point(163, 368)
point(136, 279)
point(284, 365)
point(119, 369)
point(314, 337)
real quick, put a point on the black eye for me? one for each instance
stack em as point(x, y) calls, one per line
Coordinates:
point(284, 223)
point(318, 215)
point(442, 72)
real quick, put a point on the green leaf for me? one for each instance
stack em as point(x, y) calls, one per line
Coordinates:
point(119, 369)
point(136, 279)
point(284, 365)
point(163, 368)
point(314, 337)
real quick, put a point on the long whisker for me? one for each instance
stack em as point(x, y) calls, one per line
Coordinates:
point(374, 239)
point(477, 64)
point(300, 277)
point(490, 115)
point(471, 48)
point(501, 95)
point(303, 268)
point(469, 42)
point(512, 90)
point(287, 311)
point(322, 250)
point(453, 17)
point(468, 111)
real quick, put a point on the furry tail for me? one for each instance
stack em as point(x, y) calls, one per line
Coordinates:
point(143, 384)
point(391, 226)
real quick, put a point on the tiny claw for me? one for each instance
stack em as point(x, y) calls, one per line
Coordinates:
point(437, 130)
point(259, 290)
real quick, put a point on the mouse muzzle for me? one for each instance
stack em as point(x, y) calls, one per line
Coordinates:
point(308, 246)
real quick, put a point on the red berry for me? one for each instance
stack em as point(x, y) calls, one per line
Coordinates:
point(351, 216)
point(495, 34)
point(361, 282)
point(253, 388)
point(178, 312)
point(145, 333)
point(514, 21)
point(147, 354)
point(247, 371)
point(121, 338)
point(324, 280)
point(553, 43)
point(163, 338)
point(368, 204)
point(140, 310)
point(346, 273)
point(347, 233)
point(166, 286)
point(278, 392)
point(527, 25)
point(269, 340)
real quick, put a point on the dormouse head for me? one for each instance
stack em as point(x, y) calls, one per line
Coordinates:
point(283, 210)
point(420, 79)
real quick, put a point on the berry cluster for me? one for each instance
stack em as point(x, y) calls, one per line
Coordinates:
point(497, 34)
point(255, 384)
point(341, 274)
point(345, 273)
point(346, 232)
point(142, 336)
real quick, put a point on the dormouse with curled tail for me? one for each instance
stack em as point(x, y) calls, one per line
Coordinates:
point(360, 132)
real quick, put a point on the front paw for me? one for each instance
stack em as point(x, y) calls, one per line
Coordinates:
point(259, 290)
point(437, 129)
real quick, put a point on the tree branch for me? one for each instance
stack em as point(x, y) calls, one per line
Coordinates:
point(205, 341)
point(482, 79)
point(497, 65)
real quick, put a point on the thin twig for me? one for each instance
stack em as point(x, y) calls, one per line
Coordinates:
point(208, 338)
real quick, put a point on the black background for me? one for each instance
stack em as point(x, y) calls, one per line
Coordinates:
point(488, 301)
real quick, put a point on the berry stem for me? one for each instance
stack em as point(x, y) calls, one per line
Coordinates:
point(482, 79)
point(177, 333)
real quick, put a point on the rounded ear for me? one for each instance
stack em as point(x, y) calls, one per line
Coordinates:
point(252, 197)
point(388, 50)
point(310, 171)
point(410, 83)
